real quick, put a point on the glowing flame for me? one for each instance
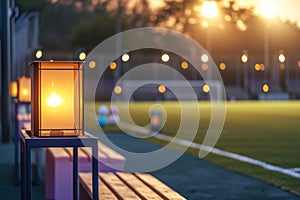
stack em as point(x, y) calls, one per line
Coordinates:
point(54, 100)
point(25, 92)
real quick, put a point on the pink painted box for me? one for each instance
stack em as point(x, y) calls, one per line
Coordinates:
point(59, 168)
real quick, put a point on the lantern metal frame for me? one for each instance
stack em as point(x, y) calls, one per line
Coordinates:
point(39, 71)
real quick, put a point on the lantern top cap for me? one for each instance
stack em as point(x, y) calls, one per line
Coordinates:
point(72, 65)
point(75, 61)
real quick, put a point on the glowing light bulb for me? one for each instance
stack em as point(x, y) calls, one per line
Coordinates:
point(54, 100)
point(25, 91)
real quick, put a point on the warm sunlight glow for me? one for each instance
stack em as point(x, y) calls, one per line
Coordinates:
point(54, 100)
point(209, 9)
point(267, 9)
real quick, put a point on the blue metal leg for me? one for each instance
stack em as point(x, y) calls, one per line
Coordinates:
point(28, 172)
point(23, 180)
point(75, 173)
point(17, 153)
point(95, 170)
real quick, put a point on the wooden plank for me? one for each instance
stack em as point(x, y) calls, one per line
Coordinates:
point(101, 154)
point(104, 191)
point(138, 186)
point(159, 187)
point(117, 186)
point(81, 154)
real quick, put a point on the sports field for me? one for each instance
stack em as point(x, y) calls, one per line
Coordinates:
point(266, 131)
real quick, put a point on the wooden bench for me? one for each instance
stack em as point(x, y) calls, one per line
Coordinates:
point(59, 179)
point(121, 185)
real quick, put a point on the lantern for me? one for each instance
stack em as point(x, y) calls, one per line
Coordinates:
point(57, 101)
point(13, 89)
point(156, 120)
point(24, 90)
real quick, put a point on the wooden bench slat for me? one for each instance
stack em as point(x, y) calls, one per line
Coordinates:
point(162, 189)
point(121, 185)
point(81, 154)
point(138, 186)
point(104, 191)
point(120, 189)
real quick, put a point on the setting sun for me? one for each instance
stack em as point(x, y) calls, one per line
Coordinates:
point(209, 9)
point(267, 9)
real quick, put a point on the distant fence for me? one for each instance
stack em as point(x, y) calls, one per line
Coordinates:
point(142, 90)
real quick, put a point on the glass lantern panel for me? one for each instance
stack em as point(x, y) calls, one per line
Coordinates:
point(60, 104)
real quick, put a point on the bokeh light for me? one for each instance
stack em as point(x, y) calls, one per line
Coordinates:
point(38, 54)
point(204, 66)
point(281, 57)
point(265, 88)
point(222, 66)
point(165, 57)
point(113, 65)
point(125, 57)
point(244, 58)
point(184, 65)
point(118, 89)
point(205, 88)
point(161, 89)
point(262, 67)
point(82, 56)
point(204, 58)
point(92, 64)
point(257, 67)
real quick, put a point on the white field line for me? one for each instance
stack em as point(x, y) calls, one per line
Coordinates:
point(295, 169)
point(289, 172)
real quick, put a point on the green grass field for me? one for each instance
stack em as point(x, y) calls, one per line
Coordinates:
point(266, 131)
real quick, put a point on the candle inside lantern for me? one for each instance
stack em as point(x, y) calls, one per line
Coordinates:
point(24, 91)
point(54, 100)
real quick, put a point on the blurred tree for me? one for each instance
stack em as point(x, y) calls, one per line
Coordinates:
point(184, 16)
point(28, 6)
point(94, 30)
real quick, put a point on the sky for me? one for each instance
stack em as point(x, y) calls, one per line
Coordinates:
point(285, 9)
